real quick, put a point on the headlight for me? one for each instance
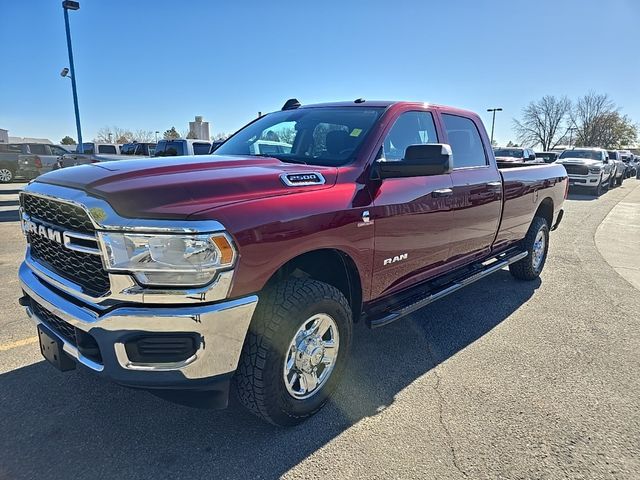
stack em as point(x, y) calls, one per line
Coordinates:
point(168, 260)
point(594, 169)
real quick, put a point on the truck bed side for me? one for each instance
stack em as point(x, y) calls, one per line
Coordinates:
point(525, 189)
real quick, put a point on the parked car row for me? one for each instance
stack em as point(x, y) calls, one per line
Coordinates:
point(594, 168)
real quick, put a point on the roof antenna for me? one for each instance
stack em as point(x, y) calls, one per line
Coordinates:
point(291, 104)
point(359, 100)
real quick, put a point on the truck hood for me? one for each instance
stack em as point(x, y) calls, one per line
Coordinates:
point(176, 187)
point(579, 161)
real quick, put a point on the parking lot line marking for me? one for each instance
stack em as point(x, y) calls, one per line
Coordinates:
point(18, 343)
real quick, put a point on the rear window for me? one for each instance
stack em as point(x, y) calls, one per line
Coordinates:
point(110, 149)
point(613, 155)
point(508, 152)
point(201, 148)
point(10, 148)
point(170, 148)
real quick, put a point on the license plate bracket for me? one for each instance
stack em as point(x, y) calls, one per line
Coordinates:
point(51, 348)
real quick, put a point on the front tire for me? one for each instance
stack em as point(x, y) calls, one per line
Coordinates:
point(536, 243)
point(597, 191)
point(295, 351)
point(6, 175)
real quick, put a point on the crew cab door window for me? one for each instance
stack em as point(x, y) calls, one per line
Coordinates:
point(38, 149)
point(465, 142)
point(411, 128)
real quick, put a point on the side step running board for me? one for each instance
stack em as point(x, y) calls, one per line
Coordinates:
point(500, 262)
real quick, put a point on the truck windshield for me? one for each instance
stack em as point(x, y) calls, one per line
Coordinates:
point(586, 154)
point(508, 152)
point(329, 136)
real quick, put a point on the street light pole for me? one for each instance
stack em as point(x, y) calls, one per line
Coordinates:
point(493, 121)
point(66, 6)
point(157, 132)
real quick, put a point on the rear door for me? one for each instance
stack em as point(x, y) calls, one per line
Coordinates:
point(477, 190)
point(413, 215)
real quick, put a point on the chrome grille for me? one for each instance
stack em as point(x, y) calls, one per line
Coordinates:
point(65, 215)
point(83, 269)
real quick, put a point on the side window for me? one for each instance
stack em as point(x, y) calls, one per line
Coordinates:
point(465, 142)
point(57, 150)
point(411, 128)
point(38, 149)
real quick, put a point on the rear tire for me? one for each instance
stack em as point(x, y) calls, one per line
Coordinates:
point(283, 347)
point(536, 243)
point(620, 180)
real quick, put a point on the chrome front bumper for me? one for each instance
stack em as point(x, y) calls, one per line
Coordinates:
point(221, 326)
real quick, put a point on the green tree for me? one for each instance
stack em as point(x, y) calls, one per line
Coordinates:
point(68, 141)
point(171, 134)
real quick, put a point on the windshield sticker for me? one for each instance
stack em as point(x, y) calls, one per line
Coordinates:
point(356, 132)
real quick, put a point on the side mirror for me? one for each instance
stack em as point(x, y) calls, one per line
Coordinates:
point(532, 157)
point(606, 160)
point(419, 161)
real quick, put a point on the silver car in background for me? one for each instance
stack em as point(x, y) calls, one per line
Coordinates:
point(620, 172)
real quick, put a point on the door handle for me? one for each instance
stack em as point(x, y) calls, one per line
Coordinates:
point(494, 184)
point(442, 192)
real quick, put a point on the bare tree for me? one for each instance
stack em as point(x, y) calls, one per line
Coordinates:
point(589, 117)
point(144, 136)
point(544, 122)
point(192, 135)
point(218, 137)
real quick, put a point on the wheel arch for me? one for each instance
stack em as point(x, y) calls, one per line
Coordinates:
point(545, 211)
point(329, 265)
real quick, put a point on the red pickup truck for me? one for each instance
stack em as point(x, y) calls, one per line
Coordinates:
point(249, 268)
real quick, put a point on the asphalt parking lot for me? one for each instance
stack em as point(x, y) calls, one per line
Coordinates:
point(501, 380)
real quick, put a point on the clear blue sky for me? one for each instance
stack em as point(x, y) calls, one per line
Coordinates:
point(155, 64)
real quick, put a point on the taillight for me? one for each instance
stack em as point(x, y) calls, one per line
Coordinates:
point(38, 162)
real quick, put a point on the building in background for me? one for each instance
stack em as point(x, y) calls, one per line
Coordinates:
point(29, 140)
point(199, 128)
point(4, 135)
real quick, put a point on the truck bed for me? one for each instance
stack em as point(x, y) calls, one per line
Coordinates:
point(523, 184)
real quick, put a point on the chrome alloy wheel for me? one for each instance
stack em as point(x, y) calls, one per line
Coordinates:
point(5, 175)
point(539, 247)
point(311, 356)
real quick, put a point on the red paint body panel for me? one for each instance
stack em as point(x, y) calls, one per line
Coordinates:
point(272, 223)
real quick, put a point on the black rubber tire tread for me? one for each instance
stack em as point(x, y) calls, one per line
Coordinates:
point(523, 269)
point(597, 191)
point(280, 311)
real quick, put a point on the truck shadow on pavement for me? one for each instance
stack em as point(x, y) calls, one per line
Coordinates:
point(75, 425)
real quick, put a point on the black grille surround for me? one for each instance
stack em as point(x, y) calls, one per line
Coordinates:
point(55, 323)
point(83, 269)
point(83, 341)
point(65, 215)
point(576, 169)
